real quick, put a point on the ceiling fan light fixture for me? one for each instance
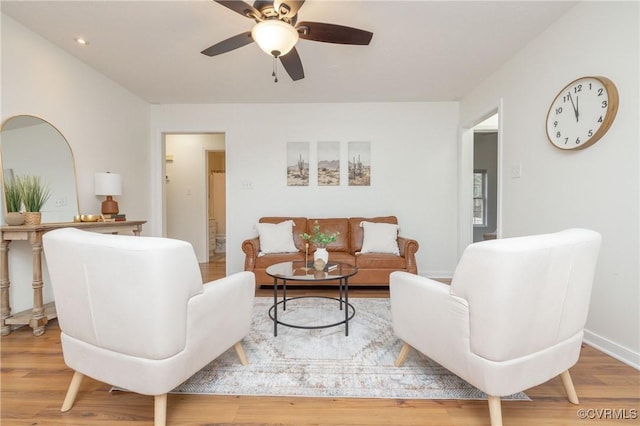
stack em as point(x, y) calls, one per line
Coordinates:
point(275, 37)
point(281, 8)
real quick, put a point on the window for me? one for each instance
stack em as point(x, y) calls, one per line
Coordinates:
point(480, 198)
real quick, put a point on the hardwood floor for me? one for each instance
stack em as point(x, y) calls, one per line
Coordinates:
point(34, 380)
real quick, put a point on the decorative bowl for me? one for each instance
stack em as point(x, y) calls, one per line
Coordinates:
point(90, 217)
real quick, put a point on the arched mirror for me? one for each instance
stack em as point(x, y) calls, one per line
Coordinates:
point(32, 146)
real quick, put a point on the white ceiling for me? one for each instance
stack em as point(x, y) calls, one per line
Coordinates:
point(420, 51)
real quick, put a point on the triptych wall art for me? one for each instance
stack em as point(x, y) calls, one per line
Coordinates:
point(328, 170)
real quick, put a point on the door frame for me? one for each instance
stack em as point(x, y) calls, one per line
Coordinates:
point(465, 178)
point(159, 191)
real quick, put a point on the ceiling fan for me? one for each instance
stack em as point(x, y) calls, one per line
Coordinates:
point(277, 31)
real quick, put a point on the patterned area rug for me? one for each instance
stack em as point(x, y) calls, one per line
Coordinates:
point(325, 362)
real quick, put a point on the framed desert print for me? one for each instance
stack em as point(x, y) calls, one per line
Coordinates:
point(297, 163)
point(359, 154)
point(328, 163)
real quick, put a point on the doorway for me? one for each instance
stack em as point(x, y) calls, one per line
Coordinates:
point(485, 179)
point(187, 208)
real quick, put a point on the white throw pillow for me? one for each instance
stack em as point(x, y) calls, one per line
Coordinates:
point(276, 237)
point(380, 238)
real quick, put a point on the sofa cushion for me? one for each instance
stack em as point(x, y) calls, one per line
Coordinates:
point(380, 261)
point(342, 257)
point(329, 226)
point(356, 233)
point(299, 227)
point(276, 237)
point(380, 238)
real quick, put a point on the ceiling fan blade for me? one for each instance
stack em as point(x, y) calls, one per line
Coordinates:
point(241, 7)
point(331, 33)
point(288, 8)
point(229, 44)
point(293, 65)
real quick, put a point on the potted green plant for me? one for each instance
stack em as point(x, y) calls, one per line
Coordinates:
point(320, 240)
point(13, 198)
point(34, 194)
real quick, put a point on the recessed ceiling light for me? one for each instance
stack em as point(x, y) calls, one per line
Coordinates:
point(81, 41)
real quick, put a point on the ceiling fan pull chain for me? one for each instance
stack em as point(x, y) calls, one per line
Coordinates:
point(274, 74)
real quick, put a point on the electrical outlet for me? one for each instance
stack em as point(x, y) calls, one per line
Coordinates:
point(246, 184)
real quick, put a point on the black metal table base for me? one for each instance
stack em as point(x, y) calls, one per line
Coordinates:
point(349, 310)
point(349, 313)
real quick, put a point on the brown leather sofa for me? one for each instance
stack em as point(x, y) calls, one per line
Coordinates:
point(373, 268)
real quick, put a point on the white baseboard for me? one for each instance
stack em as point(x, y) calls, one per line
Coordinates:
point(613, 349)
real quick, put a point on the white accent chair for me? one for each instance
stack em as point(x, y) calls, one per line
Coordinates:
point(512, 318)
point(134, 313)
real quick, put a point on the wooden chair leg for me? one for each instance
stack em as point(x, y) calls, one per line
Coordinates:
point(402, 355)
point(160, 410)
point(495, 411)
point(568, 387)
point(241, 354)
point(72, 392)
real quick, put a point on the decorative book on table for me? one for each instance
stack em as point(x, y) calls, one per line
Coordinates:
point(331, 266)
point(120, 217)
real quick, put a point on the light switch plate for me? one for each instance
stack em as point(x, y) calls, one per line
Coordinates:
point(516, 171)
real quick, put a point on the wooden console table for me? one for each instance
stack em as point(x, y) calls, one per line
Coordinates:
point(38, 317)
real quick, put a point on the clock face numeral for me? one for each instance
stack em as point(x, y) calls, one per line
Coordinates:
point(579, 111)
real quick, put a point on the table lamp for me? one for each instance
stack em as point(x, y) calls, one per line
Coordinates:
point(108, 184)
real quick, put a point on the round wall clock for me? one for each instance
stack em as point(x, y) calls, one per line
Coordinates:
point(582, 112)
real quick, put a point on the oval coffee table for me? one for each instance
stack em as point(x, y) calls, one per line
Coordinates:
point(299, 271)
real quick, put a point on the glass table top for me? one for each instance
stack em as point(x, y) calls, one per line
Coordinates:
point(300, 271)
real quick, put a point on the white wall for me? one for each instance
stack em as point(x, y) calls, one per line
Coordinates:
point(106, 126)
point(413, 151)
point(595, 188)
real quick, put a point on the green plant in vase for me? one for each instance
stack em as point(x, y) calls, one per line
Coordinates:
point(320, 240)
point(12, 195)
point(13, 198)
point(34, 194)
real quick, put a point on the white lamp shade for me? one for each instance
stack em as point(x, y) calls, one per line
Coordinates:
point(275, 37)
point(106, 183)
